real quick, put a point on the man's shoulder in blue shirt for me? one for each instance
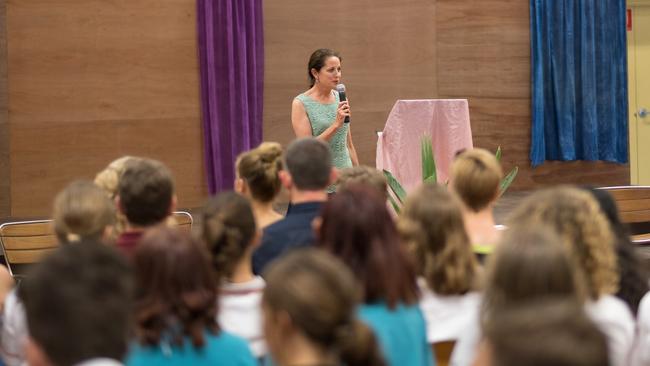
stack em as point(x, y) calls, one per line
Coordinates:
point(294, 231)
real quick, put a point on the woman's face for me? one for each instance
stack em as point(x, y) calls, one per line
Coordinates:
point(330, 74)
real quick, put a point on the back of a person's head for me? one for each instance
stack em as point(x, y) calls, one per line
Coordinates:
point(309, 161)
point(319, 293)
point(475, 176)
point(259, 168)
point(82, 211)
point(431, 224)
point(576, 217)
point(146, 192)
point(176, 291)
point(78, 304)
point(109, 178)
point(228, 230)
point(365, 175)
point(556, 333)
point(530, 264)
point(357, 228)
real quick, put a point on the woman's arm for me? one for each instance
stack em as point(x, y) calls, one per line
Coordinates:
point(351, 149)
point(302, 127)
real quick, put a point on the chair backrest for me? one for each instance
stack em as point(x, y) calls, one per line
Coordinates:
point(184, 220)
point(25, 243)
point(443, 352)
point(633, 204)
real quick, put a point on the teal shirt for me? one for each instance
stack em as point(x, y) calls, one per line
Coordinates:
point(401, 333)
point(223, 349)
point(321, 116)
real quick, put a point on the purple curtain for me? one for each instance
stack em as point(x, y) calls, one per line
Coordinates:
point(231, 53)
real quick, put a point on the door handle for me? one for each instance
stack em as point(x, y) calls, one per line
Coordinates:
point(642, 112)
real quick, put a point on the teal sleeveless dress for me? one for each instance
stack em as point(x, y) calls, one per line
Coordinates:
point(321, 116)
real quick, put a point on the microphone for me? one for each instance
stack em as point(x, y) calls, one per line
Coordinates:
point(341, 89)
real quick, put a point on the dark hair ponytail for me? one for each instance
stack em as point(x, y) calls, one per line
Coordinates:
point(358, 346)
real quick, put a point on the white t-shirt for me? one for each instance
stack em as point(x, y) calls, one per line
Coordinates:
point(447, 317)
point(610, 314)
point(641, 352)
point(14, 331)
point(614, 318)
point(240, 312)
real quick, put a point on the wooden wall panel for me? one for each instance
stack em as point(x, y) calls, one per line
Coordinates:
point(91, 80)
point(483, 50)
point(388, 51)
point(5, 170)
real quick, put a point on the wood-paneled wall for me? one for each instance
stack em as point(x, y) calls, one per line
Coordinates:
point(5, 171)
point(388, 52)
point(484, 55)
point(92, 80)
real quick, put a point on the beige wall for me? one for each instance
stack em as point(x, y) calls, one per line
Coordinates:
point(91, 80)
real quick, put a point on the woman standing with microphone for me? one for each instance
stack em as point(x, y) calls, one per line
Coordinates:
point(320, 113)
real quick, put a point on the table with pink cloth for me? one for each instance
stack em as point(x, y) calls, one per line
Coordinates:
point(398, 146)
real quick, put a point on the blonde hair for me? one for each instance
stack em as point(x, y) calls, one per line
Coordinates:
point(82, 211)
point(432, 224)
point(365, 175)
point(109, 180)
point(575, 215)
point(475, 177)
point(259, 168)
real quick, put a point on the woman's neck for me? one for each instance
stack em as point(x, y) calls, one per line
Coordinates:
point(480, 226)
point(264, 213)
point(302, 352)
point(243, 271)
point(320, 93)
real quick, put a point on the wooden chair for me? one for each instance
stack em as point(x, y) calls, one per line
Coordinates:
point(443, 352)
point(184, 220)
point(25, 243)
point(634, 210)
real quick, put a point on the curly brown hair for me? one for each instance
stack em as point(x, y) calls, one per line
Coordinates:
point(176, 292)
point(431, 224)
point(576, 216)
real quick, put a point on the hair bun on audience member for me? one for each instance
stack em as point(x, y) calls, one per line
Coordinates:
point(259, 168)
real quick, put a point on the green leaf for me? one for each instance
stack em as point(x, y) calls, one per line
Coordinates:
point(498, 154)
point(395, 186)
point(396, 207)
point(507, 180)
point(431, 180)
point(428, 161)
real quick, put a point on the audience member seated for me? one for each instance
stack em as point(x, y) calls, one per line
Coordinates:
point(146, 197)
point(82, 212)
point(584, 230)
point(547, 333)
point(633, 283)
point(475, 177)
point(308, 163)
point(309, 313)
point(258, 180)
point(357, 227)
point(528, 266)
point(108, 180)
point(362, 174)
point(231, 236)
point(431, 225)
point(176, 306)
point(78, 307)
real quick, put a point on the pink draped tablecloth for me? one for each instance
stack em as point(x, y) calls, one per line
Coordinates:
point(398, 146)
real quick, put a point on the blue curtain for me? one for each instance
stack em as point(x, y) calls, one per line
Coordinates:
point(579, 80)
